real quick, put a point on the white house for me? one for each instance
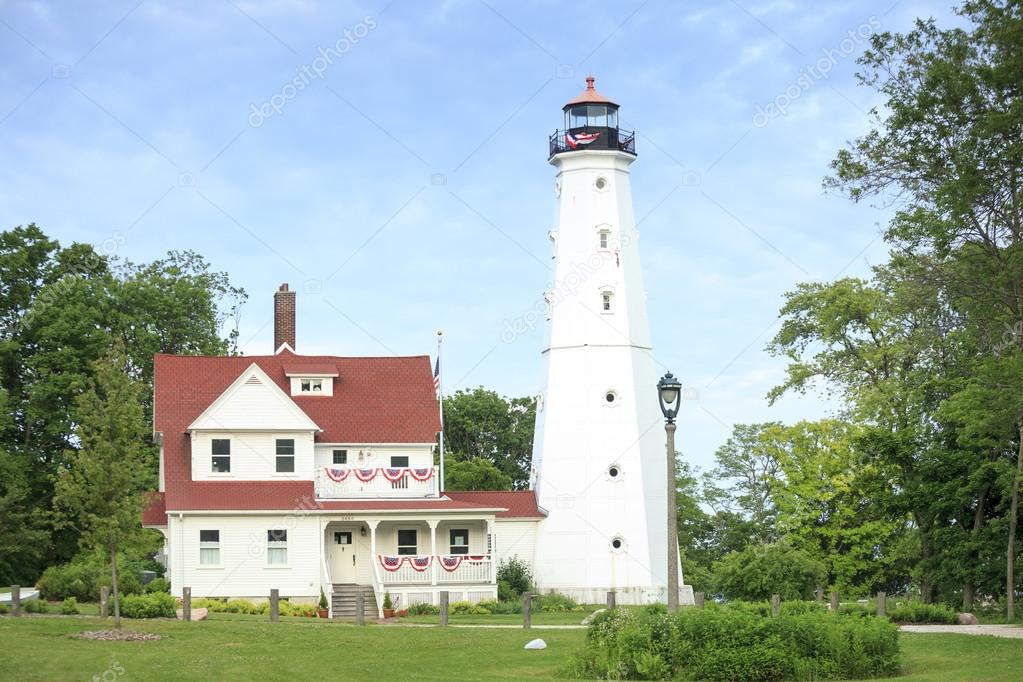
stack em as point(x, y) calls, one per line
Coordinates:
point(304, 473)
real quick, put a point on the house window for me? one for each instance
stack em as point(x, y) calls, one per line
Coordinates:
point(604, 235)
point(399, 461)
point(605, 301)
point(340, 457)
point(407, 541)
point(221, 451)
point(285, 455)
point(277, 547)
point(459, 541)
point(209, 548)
point(311, 385)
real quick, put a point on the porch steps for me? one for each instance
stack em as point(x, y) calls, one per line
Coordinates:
point(344, 601)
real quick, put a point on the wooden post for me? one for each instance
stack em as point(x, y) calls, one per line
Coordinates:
point(698, 599)
point(360, 608)
point(820, 594)
point(882, 604)
point(527, 610)
point(186, 604)
point(610, 600)
point(834, 602)
point(775, 605)
point(443, 608)
point(104, 601)
point(275, 613)
point(15, 600)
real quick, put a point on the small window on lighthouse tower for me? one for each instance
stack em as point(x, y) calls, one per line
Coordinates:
point(604, 237)
point(600, 184)
point(605, 301)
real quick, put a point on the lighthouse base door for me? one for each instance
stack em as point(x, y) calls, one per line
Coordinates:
point(343, 560)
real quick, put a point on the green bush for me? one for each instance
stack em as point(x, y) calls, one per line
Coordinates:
point(554, 603)
point(918, 612)
point(4, 609)
point(516, 577)
point(736, 644)
point(69, 607)
point(466, 608)
point(505, 607)
point(155, 605)
point(83, 577)
point(423, 609)
point(158, 585)
point(34, 606)
point(759, 571)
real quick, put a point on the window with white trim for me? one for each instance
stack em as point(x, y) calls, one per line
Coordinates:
point(604, 236)
point(340, 457)
point(285, 451)
point(605, 301)
point(459, 540)
point(408, 541)
point(311, 385)
point(277, 547)
point(209, 547)
point(220, 451)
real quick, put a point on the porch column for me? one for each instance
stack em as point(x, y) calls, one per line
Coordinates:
point(492, 550)
point(433, 549)
point(373, 540)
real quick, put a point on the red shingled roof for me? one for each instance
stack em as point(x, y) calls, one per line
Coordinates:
point(375, 400)
point(518, 504)
point(155, 513)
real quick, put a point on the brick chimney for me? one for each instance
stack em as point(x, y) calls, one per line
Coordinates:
point(284, 317)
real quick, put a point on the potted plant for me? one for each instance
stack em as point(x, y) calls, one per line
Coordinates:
point(322, 611)
point(388, 606)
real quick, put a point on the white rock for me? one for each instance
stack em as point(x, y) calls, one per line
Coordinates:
point(536, 644)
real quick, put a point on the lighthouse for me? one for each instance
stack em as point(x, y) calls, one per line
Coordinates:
point(599, 452)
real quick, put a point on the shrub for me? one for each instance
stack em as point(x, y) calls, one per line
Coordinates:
point(286, 608)
point(465, 608)
point(155, 605)
point(388, 604)
point(736, 644)
point(423, 609)
point(4, 609)
point(498, 606)
point(69, 607)
point(516, 576)
point(554, 603)
point(158, 585)
point(759, 571)
point(84, 575)
point(34, 606)
point(323, 600)
point(918, 612)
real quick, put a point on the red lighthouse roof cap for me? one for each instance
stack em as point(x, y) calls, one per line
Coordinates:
point(590, 95)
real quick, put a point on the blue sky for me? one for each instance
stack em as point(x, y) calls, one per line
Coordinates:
point(389, 161)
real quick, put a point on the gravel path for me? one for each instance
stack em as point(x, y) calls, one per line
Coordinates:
point(1010, 631)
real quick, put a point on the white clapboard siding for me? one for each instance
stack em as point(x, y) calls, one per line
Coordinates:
point(253, 401)
point(253, 456)
point(516, 539)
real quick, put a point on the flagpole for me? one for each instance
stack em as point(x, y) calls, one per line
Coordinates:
point(440, 400)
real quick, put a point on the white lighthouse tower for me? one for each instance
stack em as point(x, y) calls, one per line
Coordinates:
point(599, 451)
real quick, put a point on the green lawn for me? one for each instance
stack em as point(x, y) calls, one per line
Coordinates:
point(38, 648)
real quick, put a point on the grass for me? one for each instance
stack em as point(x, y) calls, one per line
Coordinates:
point(242, 647)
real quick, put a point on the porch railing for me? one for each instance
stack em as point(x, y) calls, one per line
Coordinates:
point(434, 570)
point(378, 482)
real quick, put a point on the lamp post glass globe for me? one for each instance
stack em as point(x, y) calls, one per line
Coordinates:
point(668, 390)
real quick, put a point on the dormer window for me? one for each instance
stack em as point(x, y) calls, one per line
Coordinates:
point(311, 385)
point(310, 379)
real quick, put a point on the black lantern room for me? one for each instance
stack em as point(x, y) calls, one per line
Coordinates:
point(591, 123)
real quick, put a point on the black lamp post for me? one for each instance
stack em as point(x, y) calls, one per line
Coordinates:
point(669, 393)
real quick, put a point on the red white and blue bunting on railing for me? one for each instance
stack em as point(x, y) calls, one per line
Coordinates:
point(420, 563)
point(391, 563)
point(391, 474)
point(450, 563)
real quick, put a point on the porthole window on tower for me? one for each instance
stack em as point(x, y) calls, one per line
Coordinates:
point(614, 472)
point(617, 543)
point(610, 397)
point(605, 301)
point(600, 183)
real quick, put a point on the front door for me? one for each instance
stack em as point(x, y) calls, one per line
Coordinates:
point(342, 557)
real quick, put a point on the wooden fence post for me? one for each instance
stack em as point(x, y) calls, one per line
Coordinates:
point(882, 604)
point(698, 599)
point(275, 613)
point(443, 608)
point(527, 610)
point(15, 600)
point(775, 605)
point(610, 600)
point(820, 594)
point(104, 601)
point(186, 604)
point(360, 608)
point(834, 601)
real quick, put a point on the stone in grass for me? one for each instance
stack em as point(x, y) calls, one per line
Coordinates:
point(968, 619)
point(536, 644)
point(119, 635)
point(589, 619)
point(197, 614)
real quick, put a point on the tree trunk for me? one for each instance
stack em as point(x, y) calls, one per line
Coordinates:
point(926, 584)
point(1010, 553)
point(113, 586)
point(969, 588)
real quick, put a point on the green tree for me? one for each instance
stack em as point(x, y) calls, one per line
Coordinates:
point(759, 571)
point(480, 424)
point(103, 488)
point(474, 474)
point(22, 533)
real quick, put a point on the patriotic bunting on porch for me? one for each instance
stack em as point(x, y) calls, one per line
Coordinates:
point(391, 563)
point(393, 474)
point(365, 475)
point(450, 563)
point(477, 557)
point(421, 474)
point(420, 563)
point(338, 475)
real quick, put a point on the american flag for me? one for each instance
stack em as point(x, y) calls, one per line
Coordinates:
point(436, 376)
